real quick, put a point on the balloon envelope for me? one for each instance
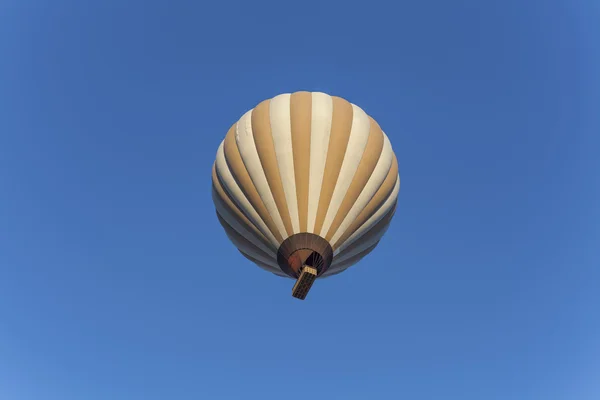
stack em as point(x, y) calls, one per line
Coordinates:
point(305, 179)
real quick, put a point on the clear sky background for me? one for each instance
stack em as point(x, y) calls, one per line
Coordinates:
point(117, 282)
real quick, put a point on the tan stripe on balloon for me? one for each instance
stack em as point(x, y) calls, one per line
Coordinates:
point(301, 115)
point(366, 166)
point(242, 243)
point(227, 216)
point(374, 232)
point(341, 125)
point(335, 268)
point(241, 176)
point(376, 202)
point(261, 129)
point(236, 213)
point(367, 226)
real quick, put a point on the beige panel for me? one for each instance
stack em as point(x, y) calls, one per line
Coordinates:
point(341, 126)
point(244, 244)
point(374, 232)
point(241, 176)
point(369, 190)
point(363, 173)
point(320, 129)
point(235, 193)
point(376, 202)
point(236, 214)
point(389, 203)
point(261, 129)
point(281, 130)
point(357, 143)
point(244, 138)
point(335, 268)
point(301, 116)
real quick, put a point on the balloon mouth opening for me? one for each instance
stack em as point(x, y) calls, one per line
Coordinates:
point(304, 249)
point(305, 257)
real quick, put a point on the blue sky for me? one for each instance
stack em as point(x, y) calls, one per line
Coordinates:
point(117, 282)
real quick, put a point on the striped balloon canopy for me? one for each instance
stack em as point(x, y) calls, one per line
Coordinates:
point(305, 182)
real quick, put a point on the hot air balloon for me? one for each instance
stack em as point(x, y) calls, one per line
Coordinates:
point(305, 185)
